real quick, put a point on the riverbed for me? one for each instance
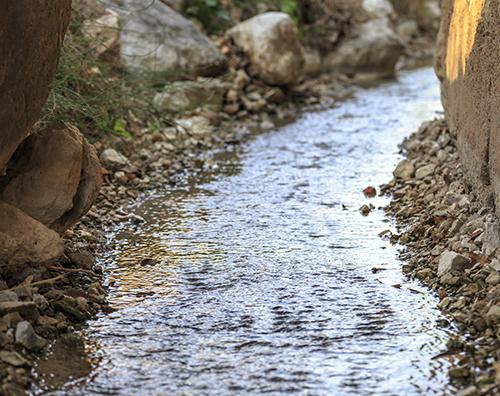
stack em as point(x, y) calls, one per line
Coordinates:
point(261, 276)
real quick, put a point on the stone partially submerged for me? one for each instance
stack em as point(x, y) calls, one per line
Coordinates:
point(271, 43)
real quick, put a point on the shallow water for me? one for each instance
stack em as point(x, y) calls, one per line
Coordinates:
point(260, 279)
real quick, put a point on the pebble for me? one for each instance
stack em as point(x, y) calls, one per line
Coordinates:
point(26, 336)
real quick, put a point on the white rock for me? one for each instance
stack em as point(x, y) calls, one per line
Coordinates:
point(405, 170)
point(113, 159)
point(271, 43)
point(451, 261)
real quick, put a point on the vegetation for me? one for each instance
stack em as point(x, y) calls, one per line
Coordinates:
point(97, 96)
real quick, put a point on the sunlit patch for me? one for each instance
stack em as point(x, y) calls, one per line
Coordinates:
point(463, 28)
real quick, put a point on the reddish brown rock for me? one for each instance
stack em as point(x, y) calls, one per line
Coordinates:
point(44, 175)
point(31, 35)
point(53, 177)
point(25, 240)
point(468, 65)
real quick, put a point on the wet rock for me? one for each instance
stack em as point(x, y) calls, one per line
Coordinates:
point(451, 261)
point(405, 170)
point(26, 336)
point(25, 240)
point(112, 159)
point(158, 39)
point(271, 43)
point(13, 358)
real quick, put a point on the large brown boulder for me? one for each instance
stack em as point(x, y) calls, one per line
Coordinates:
point(25, 240)
point(31, 35)
point(53, 177)
point(468, 65)
point(271, 43)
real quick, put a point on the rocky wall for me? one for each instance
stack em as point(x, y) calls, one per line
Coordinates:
point(468, 65)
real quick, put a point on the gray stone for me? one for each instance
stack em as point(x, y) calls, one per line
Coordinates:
point(425, 171)
point(26, 336)
point(158, 39)
point(451, 261)
point(13, 358)
point(113, 159)
point(8, 295)
point(405, 170)
point(493, 314)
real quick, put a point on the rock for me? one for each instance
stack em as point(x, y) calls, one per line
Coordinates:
point(25, 240)
point(82, 259)
point(271, 43)
point(26, 336)
point(374, 49)
point(113, 159)
point(87, 191)
point(21, 307)
point(40, 301)
point(29, 51)
point(68, 310)
point(103, 34)
point(8, 295)
point(43, 177)
point(313, 65)
point(493, 314)
point(196, 126)
point(451, 261)
point(158, 39)
point(425, 171)
point(405, 170)
point(407, 30)
point(185, 96)
point(13, 358)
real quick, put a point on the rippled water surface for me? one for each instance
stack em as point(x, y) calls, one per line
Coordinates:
point(260, 279)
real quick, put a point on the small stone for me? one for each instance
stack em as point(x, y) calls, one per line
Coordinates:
point(405, 170)
point(113, 159)
point(82, 259)
point(8, 295)
point(451, 261)
point(365, 210)
point(13, 358)
point(16, 306)
point(40, 301)
point(470, 391)
point(73, 313)
point(459, 372)
point(425, 171)
point(26, 336)
point(493, 315)
point(370, 192)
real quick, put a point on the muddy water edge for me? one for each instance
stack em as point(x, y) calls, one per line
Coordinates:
point(261, 275)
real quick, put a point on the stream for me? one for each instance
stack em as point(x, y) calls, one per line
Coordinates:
point(262, 277)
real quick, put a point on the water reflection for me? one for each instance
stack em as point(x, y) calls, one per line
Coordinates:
point(262, 280)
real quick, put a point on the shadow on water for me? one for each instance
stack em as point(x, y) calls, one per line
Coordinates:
point(258, 277)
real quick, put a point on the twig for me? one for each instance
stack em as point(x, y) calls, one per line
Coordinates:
point(42, 282)
point(71, 270)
